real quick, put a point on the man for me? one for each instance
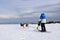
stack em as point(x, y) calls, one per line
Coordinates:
point(42, 22)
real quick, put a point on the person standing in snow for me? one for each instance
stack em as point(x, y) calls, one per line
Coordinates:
point(42, 22)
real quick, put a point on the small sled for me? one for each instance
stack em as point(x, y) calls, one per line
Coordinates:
point(39, 29)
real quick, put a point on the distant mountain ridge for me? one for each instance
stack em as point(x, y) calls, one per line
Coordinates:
point(27, 20)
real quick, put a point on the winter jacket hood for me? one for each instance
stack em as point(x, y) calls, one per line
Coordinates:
point(42, 16)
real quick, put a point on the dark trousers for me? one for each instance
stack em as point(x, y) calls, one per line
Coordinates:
point(43, 27)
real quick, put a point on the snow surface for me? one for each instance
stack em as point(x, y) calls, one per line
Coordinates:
point(16, 32)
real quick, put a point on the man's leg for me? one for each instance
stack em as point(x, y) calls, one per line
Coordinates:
point(44, 29)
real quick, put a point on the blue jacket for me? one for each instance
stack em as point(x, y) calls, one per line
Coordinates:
point(42, 16)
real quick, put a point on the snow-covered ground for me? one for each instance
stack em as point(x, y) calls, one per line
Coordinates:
point(16, 32)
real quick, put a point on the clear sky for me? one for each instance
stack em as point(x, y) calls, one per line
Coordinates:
point(29, 8)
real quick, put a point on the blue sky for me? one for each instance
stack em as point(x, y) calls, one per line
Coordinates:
point(18, 9)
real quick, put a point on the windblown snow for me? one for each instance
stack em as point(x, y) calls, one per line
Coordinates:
point(17, 32)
